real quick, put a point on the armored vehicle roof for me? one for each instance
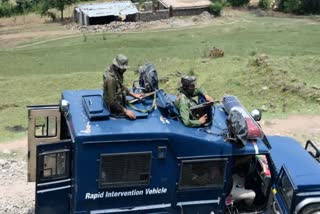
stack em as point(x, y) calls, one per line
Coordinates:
point(151, 127)
point(304, 173)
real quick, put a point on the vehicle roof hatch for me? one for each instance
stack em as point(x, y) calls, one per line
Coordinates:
point(95, 107)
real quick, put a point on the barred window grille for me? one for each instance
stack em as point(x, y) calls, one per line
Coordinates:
point(123, 170)
point(54, 166)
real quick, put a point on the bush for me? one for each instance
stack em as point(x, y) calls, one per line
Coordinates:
point(300, 6)
point(238, 3)
point(264, 4)
point(23, 6)
point(7, 9)
point(311, 6)
point(215, 8)
point(292, 6)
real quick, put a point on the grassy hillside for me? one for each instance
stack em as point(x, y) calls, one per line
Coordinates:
point(286, 82)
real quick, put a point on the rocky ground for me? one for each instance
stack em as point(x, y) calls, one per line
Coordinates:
point(118, 26)
point(17, 195)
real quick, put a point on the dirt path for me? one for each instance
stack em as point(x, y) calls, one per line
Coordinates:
point(13, 39)
point(302, 128)
point(16, 145)
point(30, 30)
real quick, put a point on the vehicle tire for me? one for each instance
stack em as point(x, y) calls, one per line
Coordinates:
point(311, 209)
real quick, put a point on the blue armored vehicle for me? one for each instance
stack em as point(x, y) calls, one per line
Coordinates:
point(85, 160)
point(296, 189)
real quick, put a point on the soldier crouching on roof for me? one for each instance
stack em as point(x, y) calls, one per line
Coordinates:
point(114, 91)
point(185, 101)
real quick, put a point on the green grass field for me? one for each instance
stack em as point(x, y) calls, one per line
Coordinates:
point(36, 74)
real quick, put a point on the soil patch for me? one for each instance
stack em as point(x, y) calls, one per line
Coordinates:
point(2, 107)
point(302, 128)
point(17, 128)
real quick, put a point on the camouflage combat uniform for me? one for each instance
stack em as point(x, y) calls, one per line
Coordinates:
point(114, 92)
point(184, 102)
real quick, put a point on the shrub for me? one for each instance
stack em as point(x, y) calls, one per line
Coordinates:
point(191, 71)
point(215, 8)
point(311, 6)
point(23, 6)
point(238, 3)
point(300, 6)
point(252, 53)
point(264, 4)
point(20, 7)
point(292, 6)
point(6, 9)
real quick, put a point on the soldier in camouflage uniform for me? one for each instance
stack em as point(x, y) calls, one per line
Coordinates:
point(185, 101)
point(114, 92)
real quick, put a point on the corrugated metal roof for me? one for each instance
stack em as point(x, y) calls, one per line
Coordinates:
point(186, 4)
point(116, 8)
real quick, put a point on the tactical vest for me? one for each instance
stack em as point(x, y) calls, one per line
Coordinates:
point(120, 93)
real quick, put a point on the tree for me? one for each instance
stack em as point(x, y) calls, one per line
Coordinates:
point(23, 6)
point(311, 6)
point(215, 8)
point(46, 5)
point(60, 5)
point(300, 6)
point(238, 3)
point(4, 1)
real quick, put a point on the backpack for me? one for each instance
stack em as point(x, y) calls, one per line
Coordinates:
point(148, 79)
point(165, 105)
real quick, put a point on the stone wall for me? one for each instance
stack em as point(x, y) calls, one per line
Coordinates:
point(188, 12)
point(152, 16)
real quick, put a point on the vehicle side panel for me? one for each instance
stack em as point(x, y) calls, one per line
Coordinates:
point(164, 177)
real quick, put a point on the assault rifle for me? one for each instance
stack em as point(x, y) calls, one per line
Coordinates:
point(144, 96)
point(199, 110)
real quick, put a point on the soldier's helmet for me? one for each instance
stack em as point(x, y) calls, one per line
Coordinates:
point(188, 81)
point(121, 61)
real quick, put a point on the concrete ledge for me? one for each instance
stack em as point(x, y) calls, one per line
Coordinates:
point(152, 16)
point(188, 11)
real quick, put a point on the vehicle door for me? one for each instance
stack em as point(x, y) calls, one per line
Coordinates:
point(283, 191)
point(313, 150)
point(201, 185)
point(44, 126)
point(53, 183)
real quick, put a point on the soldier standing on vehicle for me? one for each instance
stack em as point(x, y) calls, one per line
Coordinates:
point(185, 101)
point(114, 91)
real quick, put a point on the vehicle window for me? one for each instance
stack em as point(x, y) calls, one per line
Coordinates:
point(200, 174)
point(286, 189)
point(123, 170)
point(54, 166)
point(45, 126)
